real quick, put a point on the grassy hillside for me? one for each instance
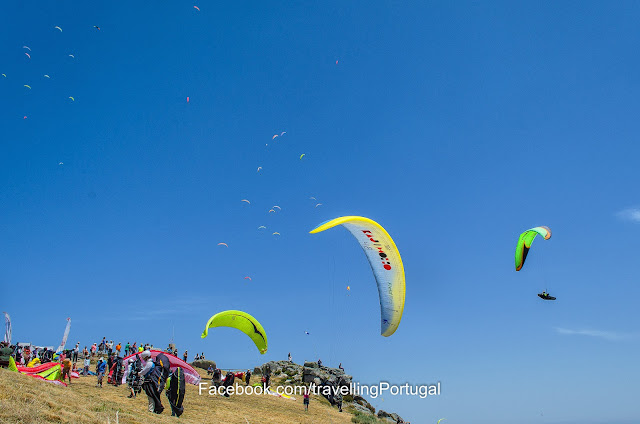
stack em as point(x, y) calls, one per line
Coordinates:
point(26, 400)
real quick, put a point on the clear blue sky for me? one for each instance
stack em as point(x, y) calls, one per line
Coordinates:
point(456, 125)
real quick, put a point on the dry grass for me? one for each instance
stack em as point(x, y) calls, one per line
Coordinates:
point(26, 400)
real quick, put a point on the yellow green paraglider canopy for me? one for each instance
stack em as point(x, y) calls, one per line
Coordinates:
point(241, 321)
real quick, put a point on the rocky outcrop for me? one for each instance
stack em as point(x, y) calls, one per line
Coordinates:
point(320, 376)
point(391, 417)
point(203, 364)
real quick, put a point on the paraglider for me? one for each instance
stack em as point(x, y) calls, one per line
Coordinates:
point(46, 76)
point(319, 204)
point(271, 210)
point(97, 27)
point(302, 155)
point(28, 55)
point(546, 296)
point(72, 56)
point(277, 207)
point(197, 8)
point(72, 99)
point(386, 264)
point(274, 137)
point(248, 278)
point(223, 244)
point(312, 198)
point(524, 243)
point(246, 201)
point(441, 419)
point(276, 233)
point(187, 99)
point(26, 47)
point(282, 133)
point(241, 321)
point(28, 86)
point(262, 227)
point(259, 168)
point(4, 75)
point(57, 27)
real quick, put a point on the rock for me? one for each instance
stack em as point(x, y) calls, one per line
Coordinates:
point(364, 410)
point(392, 417)
point(203, 364)
point(311, 365)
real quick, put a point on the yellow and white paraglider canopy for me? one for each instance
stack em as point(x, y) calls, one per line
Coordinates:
point(386, 264)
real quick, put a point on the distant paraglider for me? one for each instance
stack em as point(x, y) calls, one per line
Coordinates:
point(223, 244)
point(58, 28)
point(28, 55)
point(241, 321)
point(197, 8)
point(246, 201)
point(385, 261)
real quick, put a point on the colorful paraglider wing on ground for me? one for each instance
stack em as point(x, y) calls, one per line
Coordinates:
point(241, 321)
point(190, 374)
point(386, 264)
point(524, 243)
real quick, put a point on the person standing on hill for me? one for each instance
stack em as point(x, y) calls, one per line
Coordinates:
point(118, 348)
point(306, 399)
point(66, 369)
point(290, 358)
point(184, 356)
point(248, 377)
point(100, 371)
point(87, 363)
point(76, 350)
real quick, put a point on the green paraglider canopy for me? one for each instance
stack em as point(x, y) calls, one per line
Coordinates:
point(524, 243)
point(241, 321)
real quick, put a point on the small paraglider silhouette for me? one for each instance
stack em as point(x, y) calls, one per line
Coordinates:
point(223, 244)
point(302, 155)
point(197, 8)
point(97, 27)
point(58, 28)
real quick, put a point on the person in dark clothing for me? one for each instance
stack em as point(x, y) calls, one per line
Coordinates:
point(338, 400)
point(5, 355)
point(109, 364)
point(134, 381)
point(217, 377)
point(248, 377)
point(175, 392)
point(228, 382)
